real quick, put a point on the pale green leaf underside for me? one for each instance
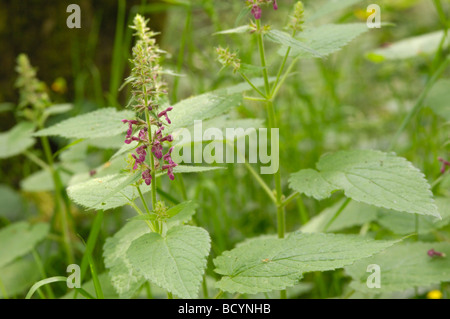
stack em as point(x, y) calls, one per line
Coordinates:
point(268, 263)
point(402, 267)
point(18, 276)
point(105, 122)
point(411, 47)
point(19, 239)
point(41, 181)
point(123, 277)
point(404, 223)
point(327, 39)
point(116, 190)
point(354, 214)
point(16, 140)
point(286, 40)
point(202, 107)
point(438, 99)
point(371, 177)
point(175, 262)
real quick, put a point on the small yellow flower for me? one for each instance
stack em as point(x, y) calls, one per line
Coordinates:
point(434, 294)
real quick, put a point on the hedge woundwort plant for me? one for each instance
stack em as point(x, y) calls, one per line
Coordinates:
point(379, 199)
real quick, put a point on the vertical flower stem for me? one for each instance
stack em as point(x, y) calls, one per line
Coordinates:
point(281, 215)
point(58, 197)
point(152, 160)
point(281, 219)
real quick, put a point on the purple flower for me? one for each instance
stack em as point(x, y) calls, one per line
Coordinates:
point(275, 5)
point(168, 156)
point(444, 164)
point(147, 177)
point(157, 149)
point(164, 113)
point(169, 168)
point(434, 253)
point(256, 11)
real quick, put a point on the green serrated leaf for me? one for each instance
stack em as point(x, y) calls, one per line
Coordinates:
point(124, 278)
point(100, 123)
point(326, 39)
point(402, 267)
point(425, 44)
point(16, 140)
point(368, 176)
point(175, 262)
point(269, 263)
point(105, 192)
point(19, 239)
point(202, 107)
point(286, 40)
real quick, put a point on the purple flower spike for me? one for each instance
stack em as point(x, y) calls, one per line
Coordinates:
point(256, 11)
point(157, 149)
point(164, 113)
point(147, 177)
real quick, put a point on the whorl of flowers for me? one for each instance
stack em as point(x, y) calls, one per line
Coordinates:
point(297, 19)
point(226, 58)
point(147, 91)
point(256, 6)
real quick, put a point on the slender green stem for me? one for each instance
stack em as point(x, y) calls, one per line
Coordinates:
point(283, 64)
point(148, 290)
point(290, 198)
point(58, 197)
point(181, 53)
point(205, 288)
point(283, 79)
point(36, 160)
point(41, 269)
point(90, 245)
point(253, 86)
point(338, 212)
point(3, 289)
point(95, 279)
point(169, 295)
point(420, 100)
point(149, 224)
point(261, 182)
point(152, 160)
point(262, 57)
point(41, 283)
point(219, 295)
point(256, 99)
point(281, 215)
point(144, 202)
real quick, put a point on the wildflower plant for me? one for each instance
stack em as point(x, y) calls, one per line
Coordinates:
point(148, 92)
point(382, 205)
